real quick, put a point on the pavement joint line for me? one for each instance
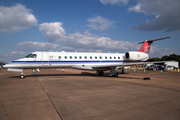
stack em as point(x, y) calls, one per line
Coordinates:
point(50, 100)
point(4, 109)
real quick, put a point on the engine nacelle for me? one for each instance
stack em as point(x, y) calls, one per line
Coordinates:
point(135, 56)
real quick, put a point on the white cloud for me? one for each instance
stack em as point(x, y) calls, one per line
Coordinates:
point(155, 51)
point(36, 46)
point(166, 12)
point(114, 2)
point(99, 23)
point(53, 30)
point(12, 56)
point(5, 55)
point(136, 8)
point(17, 52)
point(16, 18)
point(83, 42)
point(87, 33)
point(71, 49)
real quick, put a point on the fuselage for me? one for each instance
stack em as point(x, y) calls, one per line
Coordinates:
point(79, 60)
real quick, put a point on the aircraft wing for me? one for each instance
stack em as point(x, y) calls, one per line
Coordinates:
point(123, 64)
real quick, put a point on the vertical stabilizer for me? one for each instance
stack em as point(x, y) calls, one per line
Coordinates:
point(146, 47)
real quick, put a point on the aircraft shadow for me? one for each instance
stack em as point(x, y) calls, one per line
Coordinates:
point(82, 74)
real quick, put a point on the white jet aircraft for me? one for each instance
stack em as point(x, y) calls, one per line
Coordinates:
point(81, 60)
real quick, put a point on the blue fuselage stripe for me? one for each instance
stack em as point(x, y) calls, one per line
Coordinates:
point(39, 62)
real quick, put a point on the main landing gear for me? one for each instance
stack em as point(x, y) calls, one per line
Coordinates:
point(113, 72)
point(100, 72)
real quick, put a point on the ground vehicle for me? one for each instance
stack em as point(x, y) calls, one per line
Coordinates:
point(161, 67)
point(171, 68)
point(151, 67)
point(156, 67)
point(171, 63)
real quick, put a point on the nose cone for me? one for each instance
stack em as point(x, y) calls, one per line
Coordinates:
point(6, 66)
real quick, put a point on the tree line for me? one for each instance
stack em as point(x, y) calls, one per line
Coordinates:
point(166, 58)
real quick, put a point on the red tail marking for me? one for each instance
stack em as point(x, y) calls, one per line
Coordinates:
point(145, 47)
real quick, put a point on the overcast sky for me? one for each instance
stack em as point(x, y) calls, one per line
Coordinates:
point(87, 25)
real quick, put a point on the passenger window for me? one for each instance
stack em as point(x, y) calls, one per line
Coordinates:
point(114, 57)
point(70, 57)
point(105, 57)
point(118, 57)
point(100, 57)
point(59, 57)
point(110, 57)
point(96, 57)
point(75, 57)
point(85, 57)
point(65, 57)
point(33, 56)
point(90, 57)
point(80, 57)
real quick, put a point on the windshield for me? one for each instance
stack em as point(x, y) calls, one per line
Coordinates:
point(31, 56)
point(27, 56)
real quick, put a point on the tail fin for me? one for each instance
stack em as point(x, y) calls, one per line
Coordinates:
point(147, 43)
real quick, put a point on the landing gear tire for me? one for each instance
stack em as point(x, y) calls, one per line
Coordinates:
point(116, 74)
point(101, 73)
point(22, 76)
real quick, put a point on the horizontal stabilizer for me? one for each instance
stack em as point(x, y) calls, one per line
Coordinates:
point(155, 40)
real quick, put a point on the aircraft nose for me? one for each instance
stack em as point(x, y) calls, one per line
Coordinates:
point(6, 66)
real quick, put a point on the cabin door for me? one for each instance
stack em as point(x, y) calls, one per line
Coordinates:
point(45, 59)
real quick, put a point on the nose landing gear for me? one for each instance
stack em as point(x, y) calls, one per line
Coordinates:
point(22, 76)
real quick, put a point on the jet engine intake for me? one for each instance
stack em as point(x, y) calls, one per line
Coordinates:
point(136, 56)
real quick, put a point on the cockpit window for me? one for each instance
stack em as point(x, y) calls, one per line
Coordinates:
point(33, 56)
point(28, 56)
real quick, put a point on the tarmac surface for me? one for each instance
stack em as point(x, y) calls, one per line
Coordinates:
point(83, 95)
